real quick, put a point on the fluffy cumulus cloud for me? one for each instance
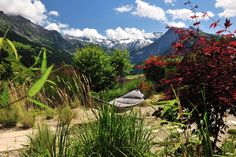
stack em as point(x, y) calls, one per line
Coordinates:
point(184, 14)
point(53, 13)
point(179, 13)
point(33, 10)
point(169, 1)
point(57, 26)
point(127, 33)
point(176, 24)
point(147, 10)
point(88, 33)
point(228, 6)
point(123, 9)
point(65, 29)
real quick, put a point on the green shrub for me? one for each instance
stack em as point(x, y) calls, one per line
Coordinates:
point(6, 71)
point(113, 135)
point(9, 117)
point(110, 94)
point(27, 119)
point(95, 64)
point(49, 114)
point(121, 61)
point(65, 115)
point(229, 145)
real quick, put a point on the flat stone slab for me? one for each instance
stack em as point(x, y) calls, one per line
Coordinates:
point(13, 140)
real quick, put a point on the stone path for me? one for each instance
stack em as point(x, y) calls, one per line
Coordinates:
point(14, 139)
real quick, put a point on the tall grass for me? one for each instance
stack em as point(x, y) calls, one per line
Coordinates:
point(68, 88)
point(113, 135)
point(49, 143)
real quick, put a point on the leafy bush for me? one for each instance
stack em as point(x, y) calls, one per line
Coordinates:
point(229, 145)
point(113, 135)
point(65, 115)
point(206, 80)
point(119, 90)
point(26, 116)
point(157, 68)
point(154, 68)
point(147, 88)
point(121, 61)
point(49, 114)
point(9, 117)
point(6, 71)
point(27, 119)
point(95, 64)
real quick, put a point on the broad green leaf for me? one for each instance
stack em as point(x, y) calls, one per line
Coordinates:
point(44, 62)
point(1, 42)
point(40, 82)
point(13, 48)
point(40, 104)
point(5, 95)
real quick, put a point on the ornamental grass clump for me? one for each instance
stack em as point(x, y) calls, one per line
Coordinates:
point(113, 135)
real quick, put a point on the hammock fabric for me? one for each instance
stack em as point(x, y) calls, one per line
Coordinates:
point(128, 100)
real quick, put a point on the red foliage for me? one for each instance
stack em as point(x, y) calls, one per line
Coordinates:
point(206, 77)
point(227, 23)
point(153, 68)
point(196, 23)
point(220, 31)
point(214, 24)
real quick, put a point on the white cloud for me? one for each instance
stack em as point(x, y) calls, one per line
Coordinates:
point(146, 10)
point(53, 13)
point(89, 33)
point(185, 14)
point(33, 10)
point(65, 29)
point(228, 6)
point(176, 24)
point(124, 8)
point(56, 26)
point(182, 14)
point(169, 1)
point(127, 33)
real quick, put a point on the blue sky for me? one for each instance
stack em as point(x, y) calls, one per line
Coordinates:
point(116, 18)
point(100, 14)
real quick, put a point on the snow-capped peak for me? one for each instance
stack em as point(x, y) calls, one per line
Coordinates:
point(129, 43)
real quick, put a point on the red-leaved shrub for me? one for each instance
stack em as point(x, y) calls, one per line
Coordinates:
point(206, 78)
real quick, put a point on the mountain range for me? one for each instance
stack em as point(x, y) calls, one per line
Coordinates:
point(61, 47)
point(123, 44)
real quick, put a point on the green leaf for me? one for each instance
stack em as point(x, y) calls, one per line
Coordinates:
point(5, 95)
point(1, 43)
point(40, 104)
point(40, 82)
point(44, 62)
point(13, 48)
point(53, 83)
